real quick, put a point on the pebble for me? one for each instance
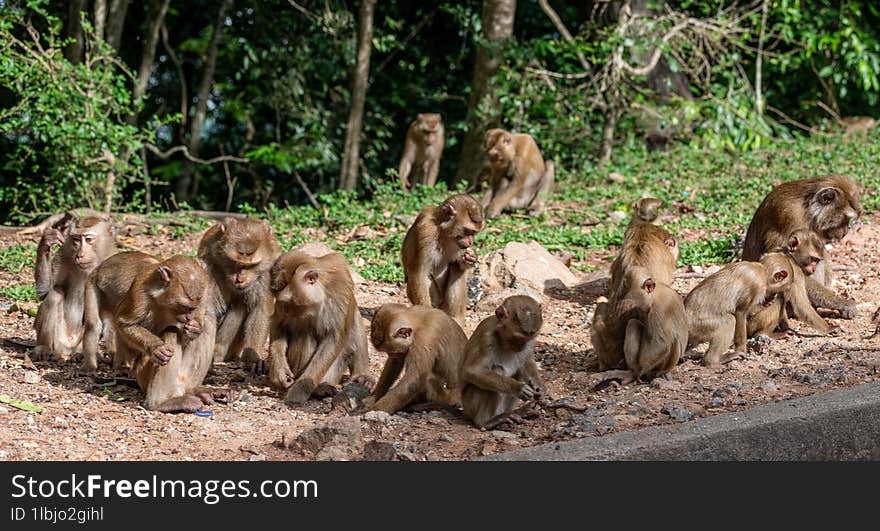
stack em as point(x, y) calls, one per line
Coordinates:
point(501, 434)
point(379, 417)
point(769, 387)
point(32, 377)
point(445, 438)
point(679, 414)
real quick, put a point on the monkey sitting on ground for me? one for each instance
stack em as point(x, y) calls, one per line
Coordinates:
point(105, 288)
point(519, 177)
point(316, 329)
point(499, 365)
point(238, 254)
point(428, 346)
point(718, 307)
point(422, 149)
point(824, 205)
point(437, 254)
point(165, 324)
point(60, 281)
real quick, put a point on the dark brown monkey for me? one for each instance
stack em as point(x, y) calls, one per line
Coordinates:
point(238, 254)
point(805, 252)
point(436, 254)
point(422, 150)
point(165, 323)
point(824, 205)
point(657, 332)
point(499, 365)
point(61, 278)
point(108, 284)
point(316, 329)
point(718, 308)
point(519, 177)
point(427, 345)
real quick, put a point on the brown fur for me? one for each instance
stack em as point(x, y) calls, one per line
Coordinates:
point(436, 254)
point(519, 177)
point(645, 245)
point(238, 254)
point(718, 308)
point(165, 324)
point(61, 278)
point(427, 345)
point(422, 149)
point(316, 329)
point(499, 364)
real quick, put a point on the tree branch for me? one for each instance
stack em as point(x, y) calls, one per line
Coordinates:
point(164, 155)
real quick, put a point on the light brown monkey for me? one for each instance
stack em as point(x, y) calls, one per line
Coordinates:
point(805, 252)
point(108, 284)
point(427, 345)
point(422, 150)
point(166, 324)
point(519, 177)
point(436, 254)
point(238, 254)
point(61, 278)
point(645, 245)
point(657, 332)
point(718, 308)
point(499, 365)
point(826, 206)
point(647, 210)
point(608, 331)
point(316, 329)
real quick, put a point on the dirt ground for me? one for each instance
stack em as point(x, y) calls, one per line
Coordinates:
point(89, 418)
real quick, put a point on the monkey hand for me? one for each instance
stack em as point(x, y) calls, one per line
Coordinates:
point(51, 238)
point(468, 259)
point(836, 331)
point(299, 392)
point(161, 354)
point(192, 328)
point(281, 378)
point(364, 379)
point(849, 311)
point(526, 392)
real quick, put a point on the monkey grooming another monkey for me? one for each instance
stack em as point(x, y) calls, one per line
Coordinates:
point(499, 365)
point(316, 329)
point(238, 254)
point(422, 149)
point(824, 205)
point(718, 307)
point(60, 281)
point(428, 346)
point(645, 245)
point(519, 177)
point(166, 325)
point(108, 284)
point(436, 254)
point(657, 331)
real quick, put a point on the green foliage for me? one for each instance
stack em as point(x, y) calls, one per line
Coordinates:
point(66, 128)
point(16, 257)
point(19, 292)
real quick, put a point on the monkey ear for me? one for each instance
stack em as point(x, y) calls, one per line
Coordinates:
point(448, 210)
point(222, 227)
point(648, 285)
point(311, 277)
point(403, 332)
point(670, 242)
point(793, 242)
point(780, 275)
point(501, 312)
point(828, 195)
point(165, 274)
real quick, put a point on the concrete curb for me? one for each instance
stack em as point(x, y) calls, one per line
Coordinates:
point(843, 424)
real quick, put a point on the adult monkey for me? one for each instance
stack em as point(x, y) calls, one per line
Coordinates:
point(519, 177)
point(826, 205)
point(420, 162)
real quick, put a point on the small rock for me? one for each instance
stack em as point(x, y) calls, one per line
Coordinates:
point(407, 456)
point(377, 417)
point(770, 387)
point(245, 397)
point(679, 414)
point(696, 269)
point(258, 457)
point(379, 451)
point(523, 263)
point(716, 402)
point(665, 385)
point(31, 377)
point(437, 421)
point(60, 422)
point(615, 177)
point(3, 410)
point(445, 437)
point(500, 434)
point(337, 440)
point(474, 290)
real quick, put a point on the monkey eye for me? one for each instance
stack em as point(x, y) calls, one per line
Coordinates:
point(469, 232)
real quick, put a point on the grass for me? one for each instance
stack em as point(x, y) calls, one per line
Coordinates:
point(19, 293)
point(16, 257)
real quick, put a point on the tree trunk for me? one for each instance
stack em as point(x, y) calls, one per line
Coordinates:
point(483, 111)
point(349, 174)
point(185, 184)
point(155, 18)
point(115, 22)
point(74, 51)
point(100, 18)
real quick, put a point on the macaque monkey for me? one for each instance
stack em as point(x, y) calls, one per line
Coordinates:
point(428, 346)
point(645, 245)
point(647, 210)
point(499, 365)
point(657, 331)
point(316, 329)
point(718, 307)
point(238, 254)
point(105, 288)
point(61, 278)
point(824, 205)
point(437, 254)
point(422, 149)
point(805, 252)
point(519, 177)
point(165, 323)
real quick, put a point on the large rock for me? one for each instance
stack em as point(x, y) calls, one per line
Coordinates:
point(524, 264)
point(318, 249)
point(336, 440)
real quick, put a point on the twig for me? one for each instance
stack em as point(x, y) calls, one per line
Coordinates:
point(186, 153)
point(308, 192)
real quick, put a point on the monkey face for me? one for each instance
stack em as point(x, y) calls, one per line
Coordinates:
point(805, 247)
point(84, 253)
point(243, 278)
point(88, 238)
point(520, 319)
point(833, 208)
point(180, 286)
point(499, 147)
point(303, 288)
point(395, 340)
